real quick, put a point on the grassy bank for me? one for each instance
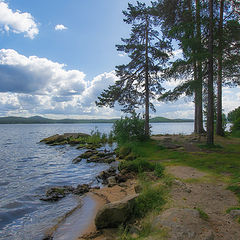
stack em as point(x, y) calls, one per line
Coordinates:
point(145, 158)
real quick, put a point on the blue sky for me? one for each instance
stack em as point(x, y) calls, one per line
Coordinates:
point(57, 56)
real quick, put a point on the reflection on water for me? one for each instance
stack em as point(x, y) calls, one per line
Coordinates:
point(28, 168)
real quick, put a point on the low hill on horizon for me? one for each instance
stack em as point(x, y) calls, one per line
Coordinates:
point(42, 120)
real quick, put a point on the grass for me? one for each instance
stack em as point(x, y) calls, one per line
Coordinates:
point(222, 162)
point(202, 214)
point(232, 208)
point(149, 203)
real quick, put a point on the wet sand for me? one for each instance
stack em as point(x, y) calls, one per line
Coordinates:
point(80, 224)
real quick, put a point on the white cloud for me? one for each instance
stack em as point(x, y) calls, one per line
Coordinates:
point(32, 86)
point(17, 21)
point(34, 75)
point(60, 27)
point(122, 54)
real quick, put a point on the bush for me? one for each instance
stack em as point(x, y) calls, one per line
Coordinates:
point(129, 129)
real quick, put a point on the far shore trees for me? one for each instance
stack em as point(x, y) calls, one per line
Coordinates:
point(140, 80)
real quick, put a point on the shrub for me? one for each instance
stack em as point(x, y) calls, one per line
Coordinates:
point(129, 129)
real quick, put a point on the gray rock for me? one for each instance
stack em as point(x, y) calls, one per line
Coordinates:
point(235, 213)
point(184, 224)
point(182, 185)
point(114, 214)
point(112, 181)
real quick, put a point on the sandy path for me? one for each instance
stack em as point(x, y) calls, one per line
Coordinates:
point(212, 197)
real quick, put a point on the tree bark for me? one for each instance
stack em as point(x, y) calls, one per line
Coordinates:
point(219, 128)
point(210, 113)
point(199, 105)
point(147, 128)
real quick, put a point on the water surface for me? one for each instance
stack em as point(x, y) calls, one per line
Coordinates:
point(28, 168)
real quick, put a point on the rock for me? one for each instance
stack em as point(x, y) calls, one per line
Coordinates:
point(184, 224)
point(138, 188)
point(116, 213)
point(88, 154)
point(121, 178)
point(109, 160)
point(182, 185)
point(56, 193)
point(111, 181)
point(66, 138)
point(104, 175)
point(77, 160)
point(235, 213)
point(81, 189)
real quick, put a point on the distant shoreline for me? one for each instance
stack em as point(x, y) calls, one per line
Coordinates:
point(41, 120)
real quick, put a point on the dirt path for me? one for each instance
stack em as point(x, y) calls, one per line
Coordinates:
point(195, 189)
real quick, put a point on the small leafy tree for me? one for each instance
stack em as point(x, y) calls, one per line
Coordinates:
point(129, 129)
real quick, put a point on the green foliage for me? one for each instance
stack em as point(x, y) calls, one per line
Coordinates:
point(138, 165)
point(235, 129)
point(123, 151)
point(95, 137)
point(232, 208)
point(159, 170)
point(151, 198)
point(202, 214)
point(234, 115)
point(129, 129)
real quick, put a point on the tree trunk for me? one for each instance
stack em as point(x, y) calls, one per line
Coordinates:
point(147, 128)
point(210, 113)
point(219, 128)
point(199, 91)
point(195, 100)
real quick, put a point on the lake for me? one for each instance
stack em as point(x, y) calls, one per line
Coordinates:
point(29, 168)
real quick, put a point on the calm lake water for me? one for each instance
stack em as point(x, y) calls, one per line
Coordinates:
point(28, 168)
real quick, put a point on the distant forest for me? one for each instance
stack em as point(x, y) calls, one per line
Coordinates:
point(41, 120)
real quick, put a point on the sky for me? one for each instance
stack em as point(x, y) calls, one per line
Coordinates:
point(57, 56)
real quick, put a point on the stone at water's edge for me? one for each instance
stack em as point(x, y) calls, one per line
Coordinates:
point(64, 138)
point(114, 214)
point(183, 224)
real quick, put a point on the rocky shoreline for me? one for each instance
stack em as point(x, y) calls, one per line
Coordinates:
point(118, 186)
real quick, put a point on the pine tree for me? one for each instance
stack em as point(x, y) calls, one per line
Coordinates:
point(182, 22)
point(210, 112)
point(139, 80)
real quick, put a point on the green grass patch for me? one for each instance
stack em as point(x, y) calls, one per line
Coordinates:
point(210, 147)
point(232, 208)
point(202, 214)
point(235, 189)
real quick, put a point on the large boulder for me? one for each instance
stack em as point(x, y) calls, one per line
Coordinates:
point(114, 214)
point(183, 224)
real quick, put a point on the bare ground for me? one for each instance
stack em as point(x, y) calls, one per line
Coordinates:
point(209, 196)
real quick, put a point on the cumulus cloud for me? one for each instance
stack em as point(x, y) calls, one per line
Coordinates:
point(17, 22)
point(33, 86)
point(34, 75)
point(60, 27)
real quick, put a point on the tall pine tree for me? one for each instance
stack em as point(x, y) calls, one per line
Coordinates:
point(140, 80)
